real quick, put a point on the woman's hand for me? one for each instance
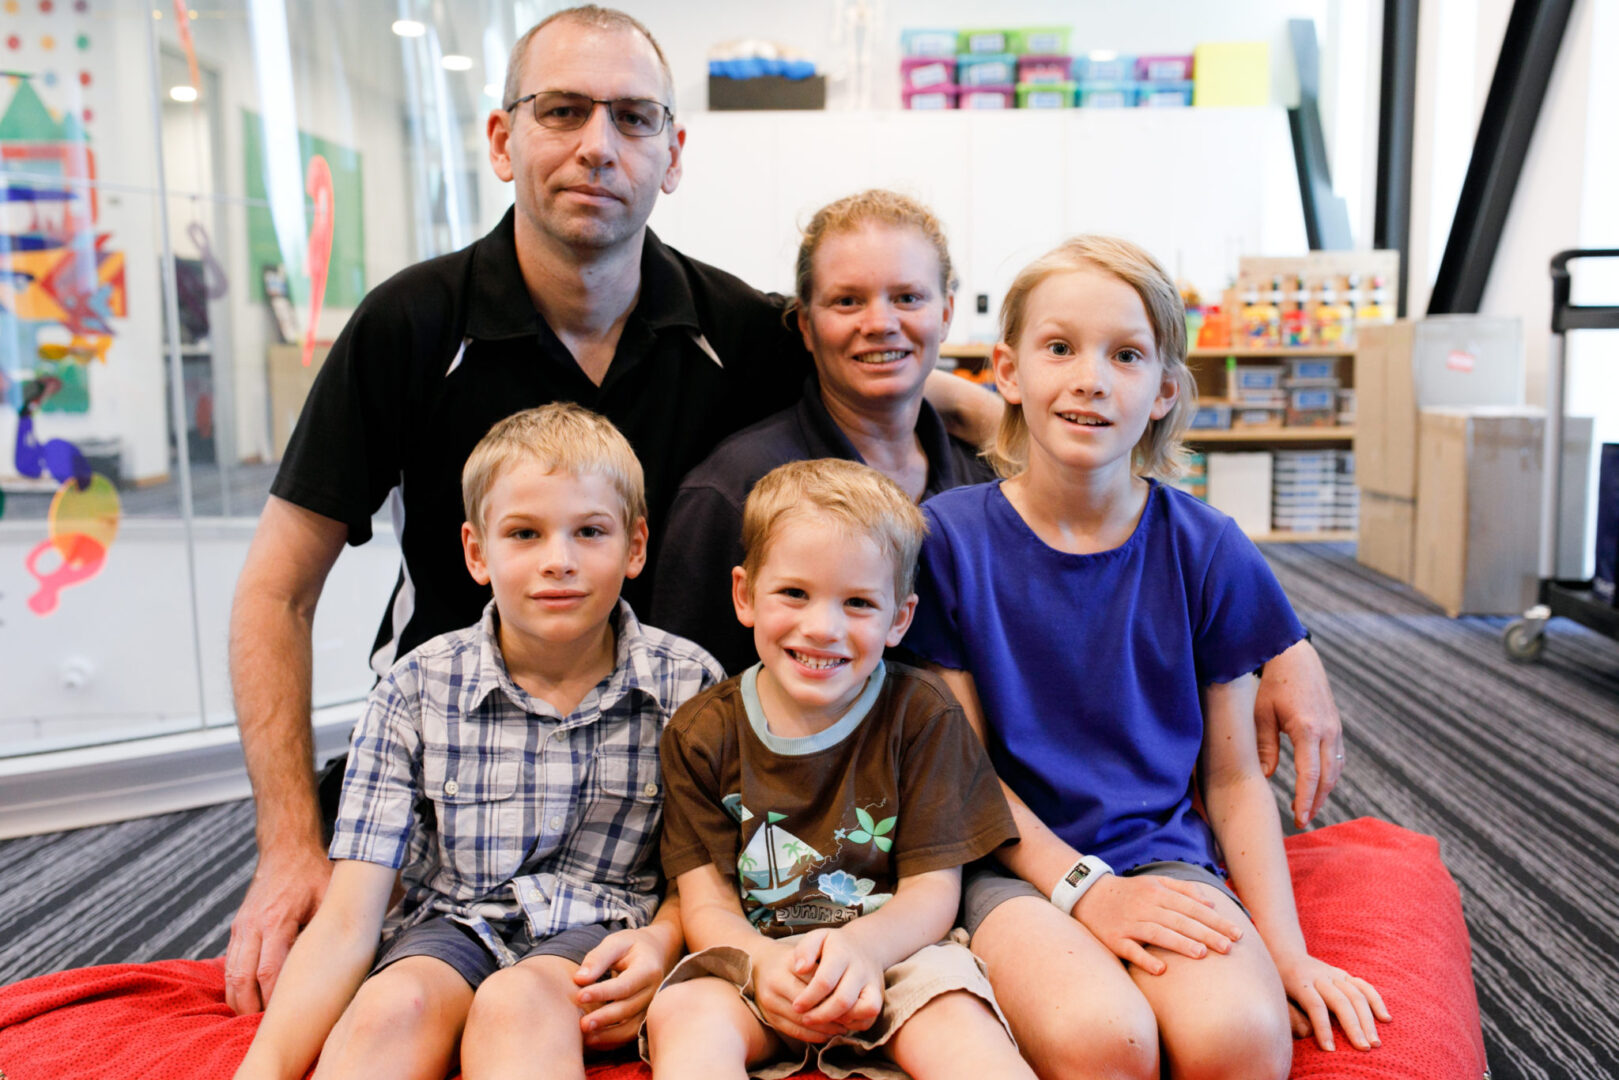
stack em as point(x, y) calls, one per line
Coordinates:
point(1129, 913)
point(1322, 991)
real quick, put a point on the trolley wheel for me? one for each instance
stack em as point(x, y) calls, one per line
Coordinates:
point(1524, 640)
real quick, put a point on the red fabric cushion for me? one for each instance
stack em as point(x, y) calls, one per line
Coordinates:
point(1374, 898)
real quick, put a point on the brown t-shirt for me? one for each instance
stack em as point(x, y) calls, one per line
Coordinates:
point(819, 830)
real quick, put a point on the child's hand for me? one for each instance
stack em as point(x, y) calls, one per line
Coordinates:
point(1317, 987)
point(614, 1007)
point(845, 986)
point(776, 987)
point(1129, 913)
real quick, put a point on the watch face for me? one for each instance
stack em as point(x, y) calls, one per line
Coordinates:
point(1079, 873)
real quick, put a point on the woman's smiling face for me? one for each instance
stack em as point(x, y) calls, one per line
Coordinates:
point(876, 315)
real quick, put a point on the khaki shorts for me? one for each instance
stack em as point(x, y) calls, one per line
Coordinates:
point(930, 972)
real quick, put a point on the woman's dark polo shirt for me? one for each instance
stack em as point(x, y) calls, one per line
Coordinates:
point(438, 353)
point(703, 538)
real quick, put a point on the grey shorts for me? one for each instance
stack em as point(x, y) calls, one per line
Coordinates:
point(986, 885)
point(445, 939)
point(930, 972)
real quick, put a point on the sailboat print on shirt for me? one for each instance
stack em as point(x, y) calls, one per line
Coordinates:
point(773, 865)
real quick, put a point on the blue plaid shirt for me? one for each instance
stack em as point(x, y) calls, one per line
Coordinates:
point(502, 812)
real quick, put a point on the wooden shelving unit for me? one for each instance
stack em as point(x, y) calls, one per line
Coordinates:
point(1342, 433)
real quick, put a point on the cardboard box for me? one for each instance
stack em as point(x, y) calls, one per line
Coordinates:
point(1443, 360)
point(1479, 481)
point(289, 385)
point(1239, 485)
point(1387, 541)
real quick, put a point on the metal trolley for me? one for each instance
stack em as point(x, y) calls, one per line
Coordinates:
point(1525, 638)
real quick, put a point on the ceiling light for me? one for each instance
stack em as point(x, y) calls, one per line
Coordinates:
point(183, 93)
point(409, 28)
point(490, 90)
point(456, 62)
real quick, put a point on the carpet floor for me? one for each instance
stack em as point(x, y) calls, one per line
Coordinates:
point(1514, 767)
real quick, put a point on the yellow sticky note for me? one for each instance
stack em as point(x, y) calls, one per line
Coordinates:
point(1231, 73)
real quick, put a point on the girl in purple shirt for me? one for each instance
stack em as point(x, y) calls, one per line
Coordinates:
point(1103, 631)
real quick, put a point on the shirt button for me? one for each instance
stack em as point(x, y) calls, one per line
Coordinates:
point(651, 789)
point(556, 823)
point(451, 787)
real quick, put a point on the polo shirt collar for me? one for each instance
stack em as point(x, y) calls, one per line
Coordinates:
point(632, 664)
point(499, 305)
point(826, 439)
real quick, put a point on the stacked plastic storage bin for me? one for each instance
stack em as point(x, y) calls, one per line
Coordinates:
point(1043, 68)
point(1163, 81)
point(1314, 491)
point(1105, 80)
point(1110, 80)
point(986, 69)
point(928, 69)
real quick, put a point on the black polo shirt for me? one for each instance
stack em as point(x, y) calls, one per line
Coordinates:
point(692, 596)
point(435, 355)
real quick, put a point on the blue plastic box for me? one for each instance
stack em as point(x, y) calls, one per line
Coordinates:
point(1164, 95)
point(990, 70)
point(928, 42)
point(1106, 94)
point(1104, 67)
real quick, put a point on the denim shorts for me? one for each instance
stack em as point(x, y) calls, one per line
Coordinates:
point(986, 885)
point(445, 939)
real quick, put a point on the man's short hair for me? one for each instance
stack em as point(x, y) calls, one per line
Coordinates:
point(858, 498)
point(597, 18)
point(561, 437)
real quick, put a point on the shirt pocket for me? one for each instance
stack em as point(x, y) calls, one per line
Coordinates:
point(480, 819)
point(624, 805)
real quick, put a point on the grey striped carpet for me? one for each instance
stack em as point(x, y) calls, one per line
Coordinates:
point(1514, 768)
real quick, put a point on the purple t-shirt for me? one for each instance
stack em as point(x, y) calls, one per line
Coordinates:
point(1089, 666)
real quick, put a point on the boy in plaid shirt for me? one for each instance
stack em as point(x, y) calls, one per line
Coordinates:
point(511, 770)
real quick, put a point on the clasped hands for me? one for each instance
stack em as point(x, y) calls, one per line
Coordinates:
point(817, 986)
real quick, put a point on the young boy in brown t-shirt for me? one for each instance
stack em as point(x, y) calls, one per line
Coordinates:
point(818, 809)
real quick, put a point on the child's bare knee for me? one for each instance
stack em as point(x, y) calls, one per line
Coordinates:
point(385, 1009)
point(1245, 1038)
point(686, 1007)
point(526, 993)
point(1116, 1038)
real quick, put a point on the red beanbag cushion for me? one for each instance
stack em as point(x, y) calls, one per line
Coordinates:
point(1373, 898)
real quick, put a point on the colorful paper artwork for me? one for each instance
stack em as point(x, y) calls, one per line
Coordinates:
point(59, 278)
point(61, 285)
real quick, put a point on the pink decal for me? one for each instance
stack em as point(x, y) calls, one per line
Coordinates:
point(319, 186)
point(81, 560)
point(182, 18)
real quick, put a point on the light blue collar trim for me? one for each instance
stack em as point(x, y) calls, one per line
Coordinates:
point(808, 744)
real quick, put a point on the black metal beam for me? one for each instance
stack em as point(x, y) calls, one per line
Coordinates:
point(1397, 107)
point(1326, 218)
point(1517, 92)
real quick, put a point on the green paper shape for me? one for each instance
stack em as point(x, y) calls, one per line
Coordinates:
point(27, 119)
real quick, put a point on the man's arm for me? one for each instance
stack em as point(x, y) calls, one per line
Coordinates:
point(272, 616)
point(970, 413)
point(1295, 700)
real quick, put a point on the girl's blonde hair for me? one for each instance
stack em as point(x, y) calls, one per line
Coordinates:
point(852, 211)
point(1159, 451)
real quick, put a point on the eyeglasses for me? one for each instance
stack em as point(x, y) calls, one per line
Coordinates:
point(559, 110)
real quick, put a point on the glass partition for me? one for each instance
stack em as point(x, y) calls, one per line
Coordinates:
point(198, 195)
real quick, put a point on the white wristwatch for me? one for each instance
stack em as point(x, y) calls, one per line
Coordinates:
point(1072, 885)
